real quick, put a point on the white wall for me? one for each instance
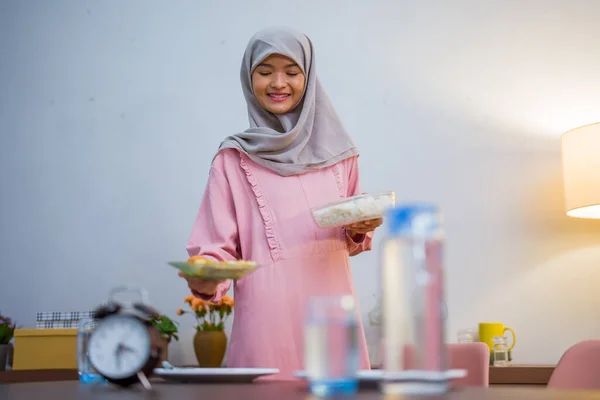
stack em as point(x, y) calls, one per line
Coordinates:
point(110, 112)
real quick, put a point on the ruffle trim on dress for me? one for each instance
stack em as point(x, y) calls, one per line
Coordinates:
point(344, 237)
point(338, 180)
point(263, 209)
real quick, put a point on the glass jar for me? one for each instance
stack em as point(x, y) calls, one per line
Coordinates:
point(500, 352)
point(466, 336)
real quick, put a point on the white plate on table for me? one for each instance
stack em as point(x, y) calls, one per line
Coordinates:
point(214, 375)
point(375, 375)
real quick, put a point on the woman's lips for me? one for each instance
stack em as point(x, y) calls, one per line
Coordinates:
point(278, 96)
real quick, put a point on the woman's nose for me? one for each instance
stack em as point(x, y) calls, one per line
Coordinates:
point(279, 81)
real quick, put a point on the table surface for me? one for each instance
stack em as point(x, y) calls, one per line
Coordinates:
point(272, 390)
point(521, 374)
point(511, 375)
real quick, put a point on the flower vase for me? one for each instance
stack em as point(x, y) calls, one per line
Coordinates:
point(163, 344)
point(210, 347)
point(5, 355)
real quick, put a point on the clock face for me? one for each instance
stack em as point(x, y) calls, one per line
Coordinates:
point(119, 346)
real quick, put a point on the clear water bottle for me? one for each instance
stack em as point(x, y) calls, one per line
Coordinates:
point(413, 314)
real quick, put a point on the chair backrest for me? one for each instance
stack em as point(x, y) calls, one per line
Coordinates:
point(578, 368)
point(473, 357)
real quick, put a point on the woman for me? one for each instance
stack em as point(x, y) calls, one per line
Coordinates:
point(257, 204)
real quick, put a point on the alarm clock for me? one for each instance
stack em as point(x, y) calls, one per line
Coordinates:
point(124, 347)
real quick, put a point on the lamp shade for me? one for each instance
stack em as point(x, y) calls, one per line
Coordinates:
point(581, 171)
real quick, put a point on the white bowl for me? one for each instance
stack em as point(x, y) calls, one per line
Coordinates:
point(353, 209)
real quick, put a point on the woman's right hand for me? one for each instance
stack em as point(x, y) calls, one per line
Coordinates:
point(206, 287)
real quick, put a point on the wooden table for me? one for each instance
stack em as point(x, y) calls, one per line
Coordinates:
point(513, 375)
point(44, 375)
point(521, 375)
point(289, 391)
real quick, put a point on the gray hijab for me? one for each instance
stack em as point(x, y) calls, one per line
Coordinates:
point(310, 136)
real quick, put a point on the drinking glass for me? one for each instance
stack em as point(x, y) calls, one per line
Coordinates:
point(87, 373)
point(331, 351)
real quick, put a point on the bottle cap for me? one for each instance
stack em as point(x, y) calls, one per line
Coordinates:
point(418, 219)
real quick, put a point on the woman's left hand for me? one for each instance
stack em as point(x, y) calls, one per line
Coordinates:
point(364, 227)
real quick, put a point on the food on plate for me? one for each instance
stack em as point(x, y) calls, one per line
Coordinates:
point(353, 209)
point(241, 263)
point(205, 268)
point(233, 263)
point(238, 264)
point(197, 260)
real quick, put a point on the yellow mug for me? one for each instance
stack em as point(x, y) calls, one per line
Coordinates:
point(487, 330)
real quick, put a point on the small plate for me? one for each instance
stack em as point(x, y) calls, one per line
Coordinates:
point(214, 375)
point(214, 270)
point(375, 375)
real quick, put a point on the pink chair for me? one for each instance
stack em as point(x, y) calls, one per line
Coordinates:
point(473, 357)
point(578, 368)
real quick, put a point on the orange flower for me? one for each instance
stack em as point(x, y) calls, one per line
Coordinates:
point(179, 311)
point(228, 301)
point(198, 304)
point(189, 299)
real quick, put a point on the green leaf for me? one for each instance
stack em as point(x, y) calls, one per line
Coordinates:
point(166, 326)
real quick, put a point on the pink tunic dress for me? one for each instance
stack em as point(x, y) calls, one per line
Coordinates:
point(249, 212)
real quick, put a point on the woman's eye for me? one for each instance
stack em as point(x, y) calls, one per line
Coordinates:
point(264, 73)
point(293, 73)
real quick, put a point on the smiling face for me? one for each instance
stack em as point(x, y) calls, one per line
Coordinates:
point(278, 84)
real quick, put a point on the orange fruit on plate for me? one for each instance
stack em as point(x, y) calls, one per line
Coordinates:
point(197, 260)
